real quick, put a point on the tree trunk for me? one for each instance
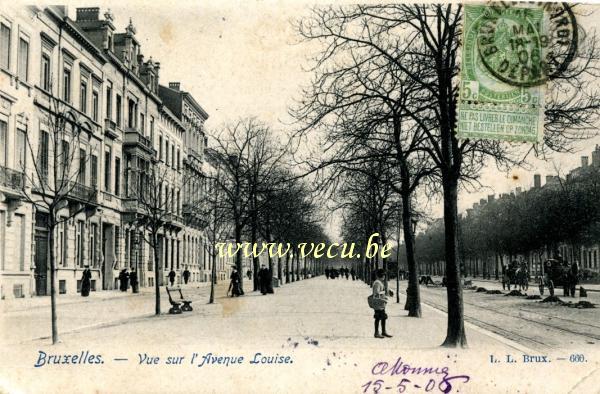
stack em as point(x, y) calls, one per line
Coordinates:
point(279, 272)
point(238, 257)
point(455, 335)
point(213, 277)
point(54, 322)
point(157, 273)
point(413, 297)
point(287, 268)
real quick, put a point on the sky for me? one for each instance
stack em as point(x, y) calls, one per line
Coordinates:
point(244, 58)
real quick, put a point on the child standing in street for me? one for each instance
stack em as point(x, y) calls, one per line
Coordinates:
point(380, 315)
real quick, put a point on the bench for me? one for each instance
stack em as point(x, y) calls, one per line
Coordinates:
point(176, 307)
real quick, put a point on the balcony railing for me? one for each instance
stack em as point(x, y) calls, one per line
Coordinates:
point(11, 179)
point(110, 128)
point(83, 193)
point(133, 137)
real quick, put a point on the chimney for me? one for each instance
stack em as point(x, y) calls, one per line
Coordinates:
point(518, 191)
point(88, 14)
point(584, 161)
point(491, 197)
point(549, 179)
point(596, 156)
point(175, 85)
point(482, 201)
point(537, 180)
point(475, 205)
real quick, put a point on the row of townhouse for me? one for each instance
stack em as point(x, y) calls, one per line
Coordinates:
point(128, 125)
point(586, 255)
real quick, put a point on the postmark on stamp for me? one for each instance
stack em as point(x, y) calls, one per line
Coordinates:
point(526, 46)
point(491, 106)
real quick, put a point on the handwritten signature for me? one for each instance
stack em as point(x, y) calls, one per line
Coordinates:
point(439, 377)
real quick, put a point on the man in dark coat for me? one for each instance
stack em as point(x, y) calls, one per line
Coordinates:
point(186, 276)
point(133, 279)
point(353, 273)
point(327, 273)
point(263, 277)
point(85, 282)
point(234, 285)
point(124, 280)
point(346, 272)
point(172, 275)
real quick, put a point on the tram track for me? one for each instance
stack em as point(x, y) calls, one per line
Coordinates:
point(532, 341)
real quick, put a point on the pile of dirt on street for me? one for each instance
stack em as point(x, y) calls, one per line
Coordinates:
point(515, 293)
point(472, 287)
point(494, 292)
point(481, 289)
point(581, 305)
point(533, 297)
point(553, 299)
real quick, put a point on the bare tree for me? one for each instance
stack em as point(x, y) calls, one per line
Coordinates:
point(247, 157)
point(421, 42)
point(154, 191)
point(56, 184)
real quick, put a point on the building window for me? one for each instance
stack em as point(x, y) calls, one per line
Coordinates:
point(93, 241)
point(117, 176)
point(67, 84)
point(160, 147)
point(95, 106)
point(3, 145)
point(178, 159)
point(131, 113)
point(107, 165)
point(82, 166)
point(118, 118)
point(83, 97)
point(167, 152)
point(62, 243)
point(65, 162)
point(4, 46)
point(117, 244)
point(45, 77)
point(21, 148)
point(23, 59)
point(173, 156)
point(94, 172)
point(109, 100)
point(152, 129)
point(79, 237)
point(142, 124)
point(42, 158)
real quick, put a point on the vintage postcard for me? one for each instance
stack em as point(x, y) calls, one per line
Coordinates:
point(285, 196)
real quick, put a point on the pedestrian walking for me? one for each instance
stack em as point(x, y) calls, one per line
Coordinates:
point(327, 273)
point(353, 273)
point(186, 276)
point(379, 294)
point(249, 274)
point(172, 275)
point(133, 279)
point(85, 281)
point(346, 272)
point(234, 284)
point(263, 277)
point(123, 279)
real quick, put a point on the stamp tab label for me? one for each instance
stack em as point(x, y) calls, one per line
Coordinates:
point(489, 107)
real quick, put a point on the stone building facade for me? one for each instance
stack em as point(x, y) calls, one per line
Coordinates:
point(117, 127)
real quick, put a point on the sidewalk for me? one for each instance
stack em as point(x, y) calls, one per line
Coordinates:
point(29, 303)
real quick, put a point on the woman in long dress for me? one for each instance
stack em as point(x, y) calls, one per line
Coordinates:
point(85, 282)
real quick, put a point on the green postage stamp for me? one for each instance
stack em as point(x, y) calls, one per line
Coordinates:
point(501, 88)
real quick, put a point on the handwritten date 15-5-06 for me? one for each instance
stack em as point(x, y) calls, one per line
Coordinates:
point(426, 379)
